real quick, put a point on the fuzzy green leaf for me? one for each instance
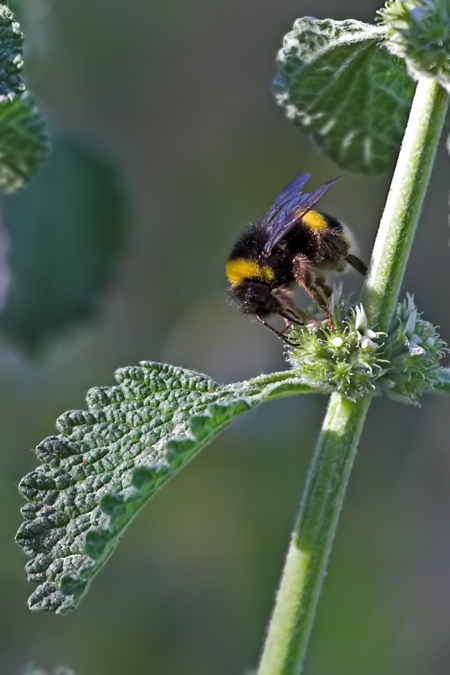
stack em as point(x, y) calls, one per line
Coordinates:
point(24, 141)
point(66, 233)
point(338, 83)
point(108, 460)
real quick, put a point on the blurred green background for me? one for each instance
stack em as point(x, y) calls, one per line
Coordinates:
point(179, 93)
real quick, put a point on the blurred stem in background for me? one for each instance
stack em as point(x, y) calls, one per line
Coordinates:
point(308, 554)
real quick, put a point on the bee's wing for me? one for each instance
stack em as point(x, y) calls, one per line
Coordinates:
point(292, 212)
point(284, 198)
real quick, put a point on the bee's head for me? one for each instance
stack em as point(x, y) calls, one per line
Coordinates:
point(251, 286)
point(254, 297)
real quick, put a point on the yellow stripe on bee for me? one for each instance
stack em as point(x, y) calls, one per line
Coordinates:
point(314, 220)
point(239, 269)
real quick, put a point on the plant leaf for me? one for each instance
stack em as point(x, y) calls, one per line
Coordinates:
point(11, 62)
point(24, 140)
point(66, 232)
point(338, 84)
point(108, 460)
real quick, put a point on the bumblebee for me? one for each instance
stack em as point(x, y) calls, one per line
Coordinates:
point(291, 244)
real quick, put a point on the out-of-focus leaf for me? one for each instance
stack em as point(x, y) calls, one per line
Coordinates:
point(108, 460)
point(24, 141)
point(340, 85)
point(66, 232)
point(59, 670)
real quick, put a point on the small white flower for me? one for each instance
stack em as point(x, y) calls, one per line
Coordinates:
point(369, 344)
point(416, 350)
point(360, 319)
point(335, 297)
point(331, 305)
point(411, 323)
point(410, 302)
point(337, 342)
point(367, 336)
point(414, 347)
point(430, 342)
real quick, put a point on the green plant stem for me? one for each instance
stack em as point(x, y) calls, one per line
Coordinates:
point(310, 547)
point(285, 383)
point(404, 203)
point(313, 535)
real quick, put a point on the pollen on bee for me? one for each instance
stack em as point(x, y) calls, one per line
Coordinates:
point(314, 220)
point(239, 269)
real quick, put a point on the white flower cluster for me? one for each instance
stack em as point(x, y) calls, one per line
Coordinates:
point(355, 360)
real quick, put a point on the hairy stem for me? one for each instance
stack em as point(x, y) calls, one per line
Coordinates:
point(404, 203)
point(308, 553)
point(310, 547)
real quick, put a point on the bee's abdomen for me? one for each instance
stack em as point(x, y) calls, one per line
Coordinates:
point(315, 220)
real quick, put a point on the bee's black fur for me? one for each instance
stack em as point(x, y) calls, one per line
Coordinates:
point(305, 254)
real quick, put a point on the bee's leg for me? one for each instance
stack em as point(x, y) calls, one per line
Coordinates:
point(287, 324)
point(324, 287)
point(276, 332)
point(305, 278)
point(357, 264)
point(288, 309)
point(289, 318)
